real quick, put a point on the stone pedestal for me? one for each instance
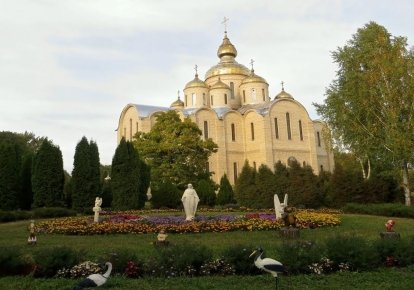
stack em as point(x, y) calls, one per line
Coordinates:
point(390, 235)
point(289, 232)
point(96, 216)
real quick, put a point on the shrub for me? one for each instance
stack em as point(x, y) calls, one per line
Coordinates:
point(50, 260)
point(12, 262)
point(386, 249)
point(51, 212)
point(296, 256)
point(383, 209)
point(11, 216)
point(205, 191)
point(404, 253)
point(120, 260)
point(238, 256)
point(183, 260)
point(352, 250)
point(217, 267)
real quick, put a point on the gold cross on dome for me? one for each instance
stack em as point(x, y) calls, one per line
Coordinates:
point(225, 20)
point(251, 63)
point(195, 68)
point(282, 83)
point(178, 93)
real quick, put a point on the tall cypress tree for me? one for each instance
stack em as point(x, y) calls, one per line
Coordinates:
point(9, 177)
point(85, 182)
point(48, 176)
point(225, 194)
point(126, 183)
point(245, 188)
point(266, 187)
point(205, 190)
point(26, 193)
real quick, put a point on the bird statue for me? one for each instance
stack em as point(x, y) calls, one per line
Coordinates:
point(95, 280)
point(269, 265)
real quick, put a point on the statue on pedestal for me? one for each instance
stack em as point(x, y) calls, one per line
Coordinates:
point(190, 201)
point(32, 240)
point(97, 209)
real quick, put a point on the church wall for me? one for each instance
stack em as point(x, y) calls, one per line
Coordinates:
point(247, 95)
point(255, 138)
point(227, 79)
point(201, 97)
point(129, 124)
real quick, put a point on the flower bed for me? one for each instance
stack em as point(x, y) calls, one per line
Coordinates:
point(140, 224)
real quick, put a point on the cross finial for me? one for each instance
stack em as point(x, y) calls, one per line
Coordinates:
point(282, 83)
point(195, 68)
point(178, 94)
point(225, 20)
point(251, 63)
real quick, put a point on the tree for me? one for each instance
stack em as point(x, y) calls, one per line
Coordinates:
point(174, 150)
point(85, 182)
point(266, 185)
point(9, 177)
point(225, 194)
point(281, 179)
point(166, 195)
point(126, 180)
point(245, 187)
point(370, 105)
point(26, 193)
point(205, 191)
point(48, 176)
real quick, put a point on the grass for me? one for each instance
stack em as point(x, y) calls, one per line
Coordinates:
point(15, 234)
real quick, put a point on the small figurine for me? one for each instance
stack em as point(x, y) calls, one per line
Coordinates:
point(162, 239)
point(97, 208)
point(289, 217)
point(32, 240)
point(280, 207)
point(389, 225)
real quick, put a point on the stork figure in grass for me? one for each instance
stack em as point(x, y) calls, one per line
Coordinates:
point(95, 280)
point(269, 265)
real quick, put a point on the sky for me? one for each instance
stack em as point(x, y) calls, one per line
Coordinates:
point(69, 67)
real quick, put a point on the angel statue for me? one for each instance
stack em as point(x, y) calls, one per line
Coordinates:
point(280, 207)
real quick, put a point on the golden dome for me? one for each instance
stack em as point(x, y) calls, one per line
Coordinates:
point(283, 94)
point(226, 48)
point(227, 65)
point(219, 85)
point(177, 104)
point(253, 78)
point(195, 83)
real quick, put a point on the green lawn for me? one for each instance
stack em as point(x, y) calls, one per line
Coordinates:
point(15, 234)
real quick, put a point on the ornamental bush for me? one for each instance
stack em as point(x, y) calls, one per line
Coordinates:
point(50, 260)
point(238, 256)
point(166, 195)
point(298, 255)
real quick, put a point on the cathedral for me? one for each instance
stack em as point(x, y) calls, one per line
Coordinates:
point(232, 106)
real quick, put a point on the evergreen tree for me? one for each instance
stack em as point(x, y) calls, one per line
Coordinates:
point(127, 189)
point(85, 182)
point(205, 191)
point(225, 194)
point(9, 177)
point(48, 176)
point(26, 193)
point(245, 188)
point(166, 195)
point(266, 188)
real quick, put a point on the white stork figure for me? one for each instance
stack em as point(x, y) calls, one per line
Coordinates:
point(95, 280)
point(280, 207)
point(269, 265)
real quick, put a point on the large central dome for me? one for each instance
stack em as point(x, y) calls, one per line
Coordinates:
point(227, 65)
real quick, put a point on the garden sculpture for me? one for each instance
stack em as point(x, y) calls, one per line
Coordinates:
point(95, 280)
point(190, 201)
point(269, 265)
point(289, 217)
point(389, 225)
point(32, 240)
point(162, 239)
point(280, 207)
point(97, 209)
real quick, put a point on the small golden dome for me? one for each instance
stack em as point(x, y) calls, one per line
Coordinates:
point(284, 95)
point(196, 83)
point(219, 85)
point(177, 104)
point(226, 48)
point(253, 78)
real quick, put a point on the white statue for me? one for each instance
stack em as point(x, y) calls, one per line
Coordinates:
point(190, 201)
point(280, 207)
point(97, 209)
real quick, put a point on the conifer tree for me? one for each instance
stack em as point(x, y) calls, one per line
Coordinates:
point(48, 176)
point(85, 182)
point(26, 193)
point(166, 195)
point(281, 179)
point(266, 188)
point(245, 188)
point(127, 189)
point(225, 194)
point(9, 177)
point(205, 191)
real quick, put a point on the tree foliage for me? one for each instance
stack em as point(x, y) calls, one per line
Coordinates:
point(9, 176)
point(205, 191)
point(370, 105)
point(85, 181)
point(48, 176)
point(225, 194)
point(245, 187)
point(166, 195)
point(126, 180)
point(174, 150)
point(267, 186)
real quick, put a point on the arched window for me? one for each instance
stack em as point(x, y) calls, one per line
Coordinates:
point(254, 97)
point(231, 90)
point(244, 96)
point(319, 138)
point(137, 128)
point(289, 133)
point(252, 130)
point(130, 129)
point(225, 99)
point(185, 100)
point(276, 129)
point(263, 95)
point(300, 130)
point(235, 171)
point(205, 130)
point(211, 100)
point(233, 132)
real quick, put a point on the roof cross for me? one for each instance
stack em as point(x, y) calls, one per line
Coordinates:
point(282, 83)
point(224, 22)
point(251, 63)
point(195, 68)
